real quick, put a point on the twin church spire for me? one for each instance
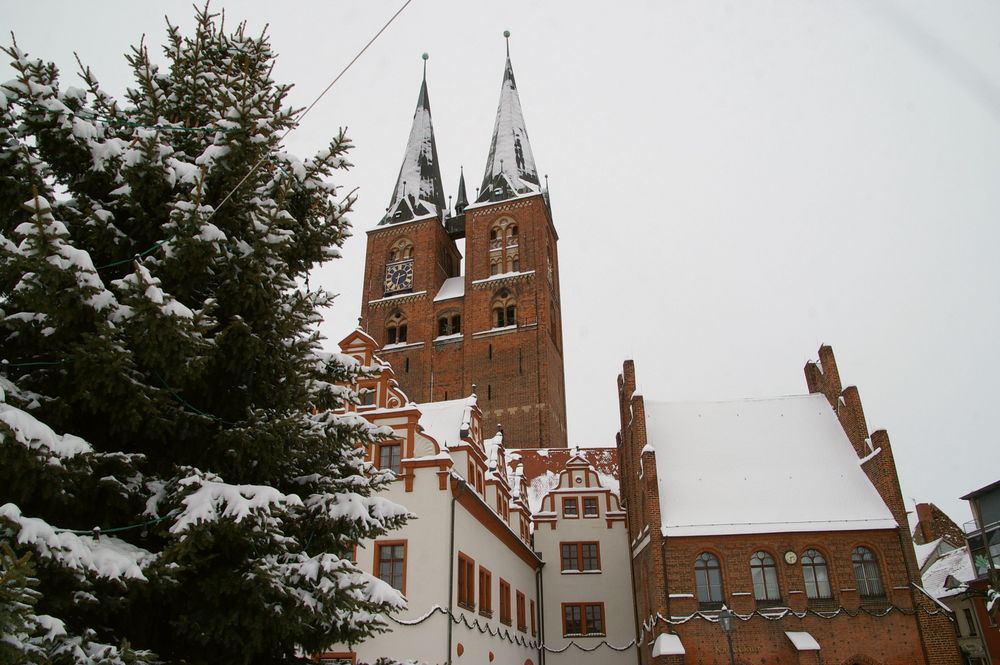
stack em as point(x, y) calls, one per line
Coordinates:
point(510, 166)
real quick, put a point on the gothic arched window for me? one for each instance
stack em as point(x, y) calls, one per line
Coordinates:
point(504, 256)
point(449, 323)
point(764, 574)
point(401, 250)
point(504, 309)
point(866, 573)
point(395, 329)
point(708, 581)
point(816, 575)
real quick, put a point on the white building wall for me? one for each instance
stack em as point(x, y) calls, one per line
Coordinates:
point(612, 585)
point(429, 563)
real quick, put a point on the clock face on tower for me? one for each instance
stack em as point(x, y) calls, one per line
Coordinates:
point(399, 276)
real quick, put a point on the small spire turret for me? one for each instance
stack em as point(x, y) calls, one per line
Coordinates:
point(463, 198)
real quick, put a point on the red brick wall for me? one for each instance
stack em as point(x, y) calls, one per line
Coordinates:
point(518, 374)
point(666, 566)
point(937, 634)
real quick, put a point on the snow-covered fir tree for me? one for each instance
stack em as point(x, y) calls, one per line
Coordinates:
point(168, 456)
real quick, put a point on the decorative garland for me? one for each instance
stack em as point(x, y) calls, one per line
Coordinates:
point(505, 634)
point(778, 615)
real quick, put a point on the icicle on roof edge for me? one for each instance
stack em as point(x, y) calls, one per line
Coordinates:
point(510, 166)
point(418, 190)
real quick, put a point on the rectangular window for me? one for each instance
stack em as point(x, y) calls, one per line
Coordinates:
point(583, 619)
point(389, 457)
point(576, 557)
point(522, 624)
point(570, 507)
point(390, 562)
point(970, 622)
point(504, 602)
point(466, 582)
point(590, 506)
point(402, 334)
point(367, 396)
point(534, 620)
point(485, 592)
point(390, 336)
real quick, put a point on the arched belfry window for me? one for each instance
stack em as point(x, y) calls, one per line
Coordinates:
point(708, 581)
point(399, 268)
point(504, 247)
point(395, 328)
point(449, 323)
point(504, 309)
point(866, 573)
point(401, 250)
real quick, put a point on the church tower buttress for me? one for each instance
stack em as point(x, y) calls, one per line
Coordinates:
point(495, 329)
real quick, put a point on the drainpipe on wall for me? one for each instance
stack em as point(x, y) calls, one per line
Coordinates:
point(540, 612)
point(451, 569)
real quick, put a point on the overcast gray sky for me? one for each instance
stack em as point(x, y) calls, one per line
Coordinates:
point(733, 183)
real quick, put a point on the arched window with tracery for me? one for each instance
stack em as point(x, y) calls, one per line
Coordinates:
point(504, 309)
point(504, 247)
point(395, 329)
point(764, 574)
point(708, 581)
point(449, 323)
point(866, 573)
point(816, 576)
point(399, 268)
point(401, 250)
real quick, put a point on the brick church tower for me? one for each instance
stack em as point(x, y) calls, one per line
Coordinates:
point(497, 326)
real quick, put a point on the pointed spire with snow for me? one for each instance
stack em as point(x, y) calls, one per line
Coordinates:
point(463, 198)
point(418, 191)
point(510, 167)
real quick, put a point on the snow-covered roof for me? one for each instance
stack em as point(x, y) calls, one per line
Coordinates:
point(510, 165)
point(957, 564)
point(802, 640)
point(759, 466)
point(925, 551)
point(542, 466)
point(668, 644)
point(418, 190)
point(446, 420)
point(453, 287)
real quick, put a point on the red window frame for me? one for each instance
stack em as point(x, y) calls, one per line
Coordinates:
point(466, 582)
point(572, 553)
point(485, 592)
point(570, 501)
point(585, 628)
point(399, 457)
point(534, 621)
point(504, 601)
point(522, 624)
point(589, 501)
point(377, 567)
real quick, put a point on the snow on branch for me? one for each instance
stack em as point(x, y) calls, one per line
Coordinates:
point(30, 432)
point(214, 499)
point(105, 556)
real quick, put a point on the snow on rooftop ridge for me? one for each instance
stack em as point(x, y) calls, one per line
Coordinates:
point(510, 166)
point(419, 190)
point(926, 551)
point(730, 468)
point(447, 421)
point(453, 287)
